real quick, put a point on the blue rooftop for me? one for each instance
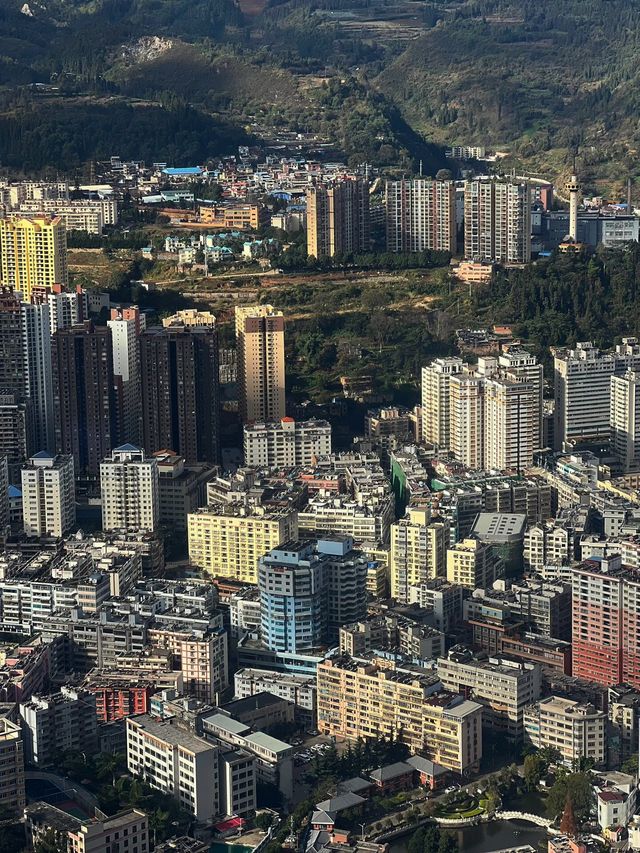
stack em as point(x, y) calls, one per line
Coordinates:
point(15, 492)
point(43, 454)
point(183, 170)
point(127, 448)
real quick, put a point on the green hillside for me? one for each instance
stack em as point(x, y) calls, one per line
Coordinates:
point(389, 83)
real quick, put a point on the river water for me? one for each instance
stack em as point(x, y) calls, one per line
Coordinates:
point(487, 837)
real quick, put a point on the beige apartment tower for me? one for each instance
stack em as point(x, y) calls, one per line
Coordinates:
point(436, 379)
point(338, 219)
point(497, 221)
point(260, 354)
point(418, 551)
point(33, 253)
point(420, 215)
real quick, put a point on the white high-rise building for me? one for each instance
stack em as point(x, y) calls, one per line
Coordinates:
point(48, 495)
point(36, 346)
point(67, 307)
point(625, 420)
point(435, 400)
point(129, 487)
point(525, 367)
point(582, 389)
point(125, 330)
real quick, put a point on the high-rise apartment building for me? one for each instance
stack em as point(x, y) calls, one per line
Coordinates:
point(84, 395)
point(420, 215)
point(286, 443)
point(436, 400)
point(338, 219)
point(293, 597)
point(12, 793)
point(180, 391)
point(260, 356)
point(38, 388)
point(129, 489)
point(201, 654)
point(16, 433)
point(125, 325)
point(48, 495)
point(466, 418)
point(497, 221)
point(519, 363)
point(358, 699)
point(418, 551)
point(606, 622)
point(227, 540)
point(625, 420)
point(66, 307)
point(582, 389)
point(25, 361)
point(33, 253)
point(472, 564)
point(511, 425)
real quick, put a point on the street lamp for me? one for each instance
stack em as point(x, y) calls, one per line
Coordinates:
point(362, 826)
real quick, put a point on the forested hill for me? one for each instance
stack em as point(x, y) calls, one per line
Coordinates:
point(391, 83)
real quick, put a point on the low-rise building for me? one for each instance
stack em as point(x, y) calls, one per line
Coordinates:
point(286, 443)
point(359, 699)
point(58, 722)
point(577, 730)
point(502, 686)
point(300, 690)
point(176, 762)
point(127, 832)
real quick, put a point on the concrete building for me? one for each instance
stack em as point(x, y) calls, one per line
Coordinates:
point(180, 391)
point(62, 721)
point(511, 423)
point(418, 551)
point(389, 427)
point(497, 221)
point(466, 418)
point(66, 307)
point(625, 420)
point(201, 654)
point(237, 783)
point(577, 730)
point(48, 495)
point(472, 564)
point(286, 443)
point(129, 489)
point(338, 219)
point(420, 215)
point(504, 687)
point(227, 540)
point(369, 521)
point(547, 545)
point(504, 532)
point(84, 395)
point(356, 699)
point(174, 761)
point(436, 400)
point(127, 830)
point(126, 325)
point(12, 793)
point(582, 389)
point(260, 363)
point(300, 690)
point(33, 254)
point(181, 488)
point(293, 597)
point(38, 388)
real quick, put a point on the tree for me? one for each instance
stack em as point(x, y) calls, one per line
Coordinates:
point(573, 786)
point(50, 842)
point(535, 768)
point(264, 821)
point(568, 824)
point(630, 766)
